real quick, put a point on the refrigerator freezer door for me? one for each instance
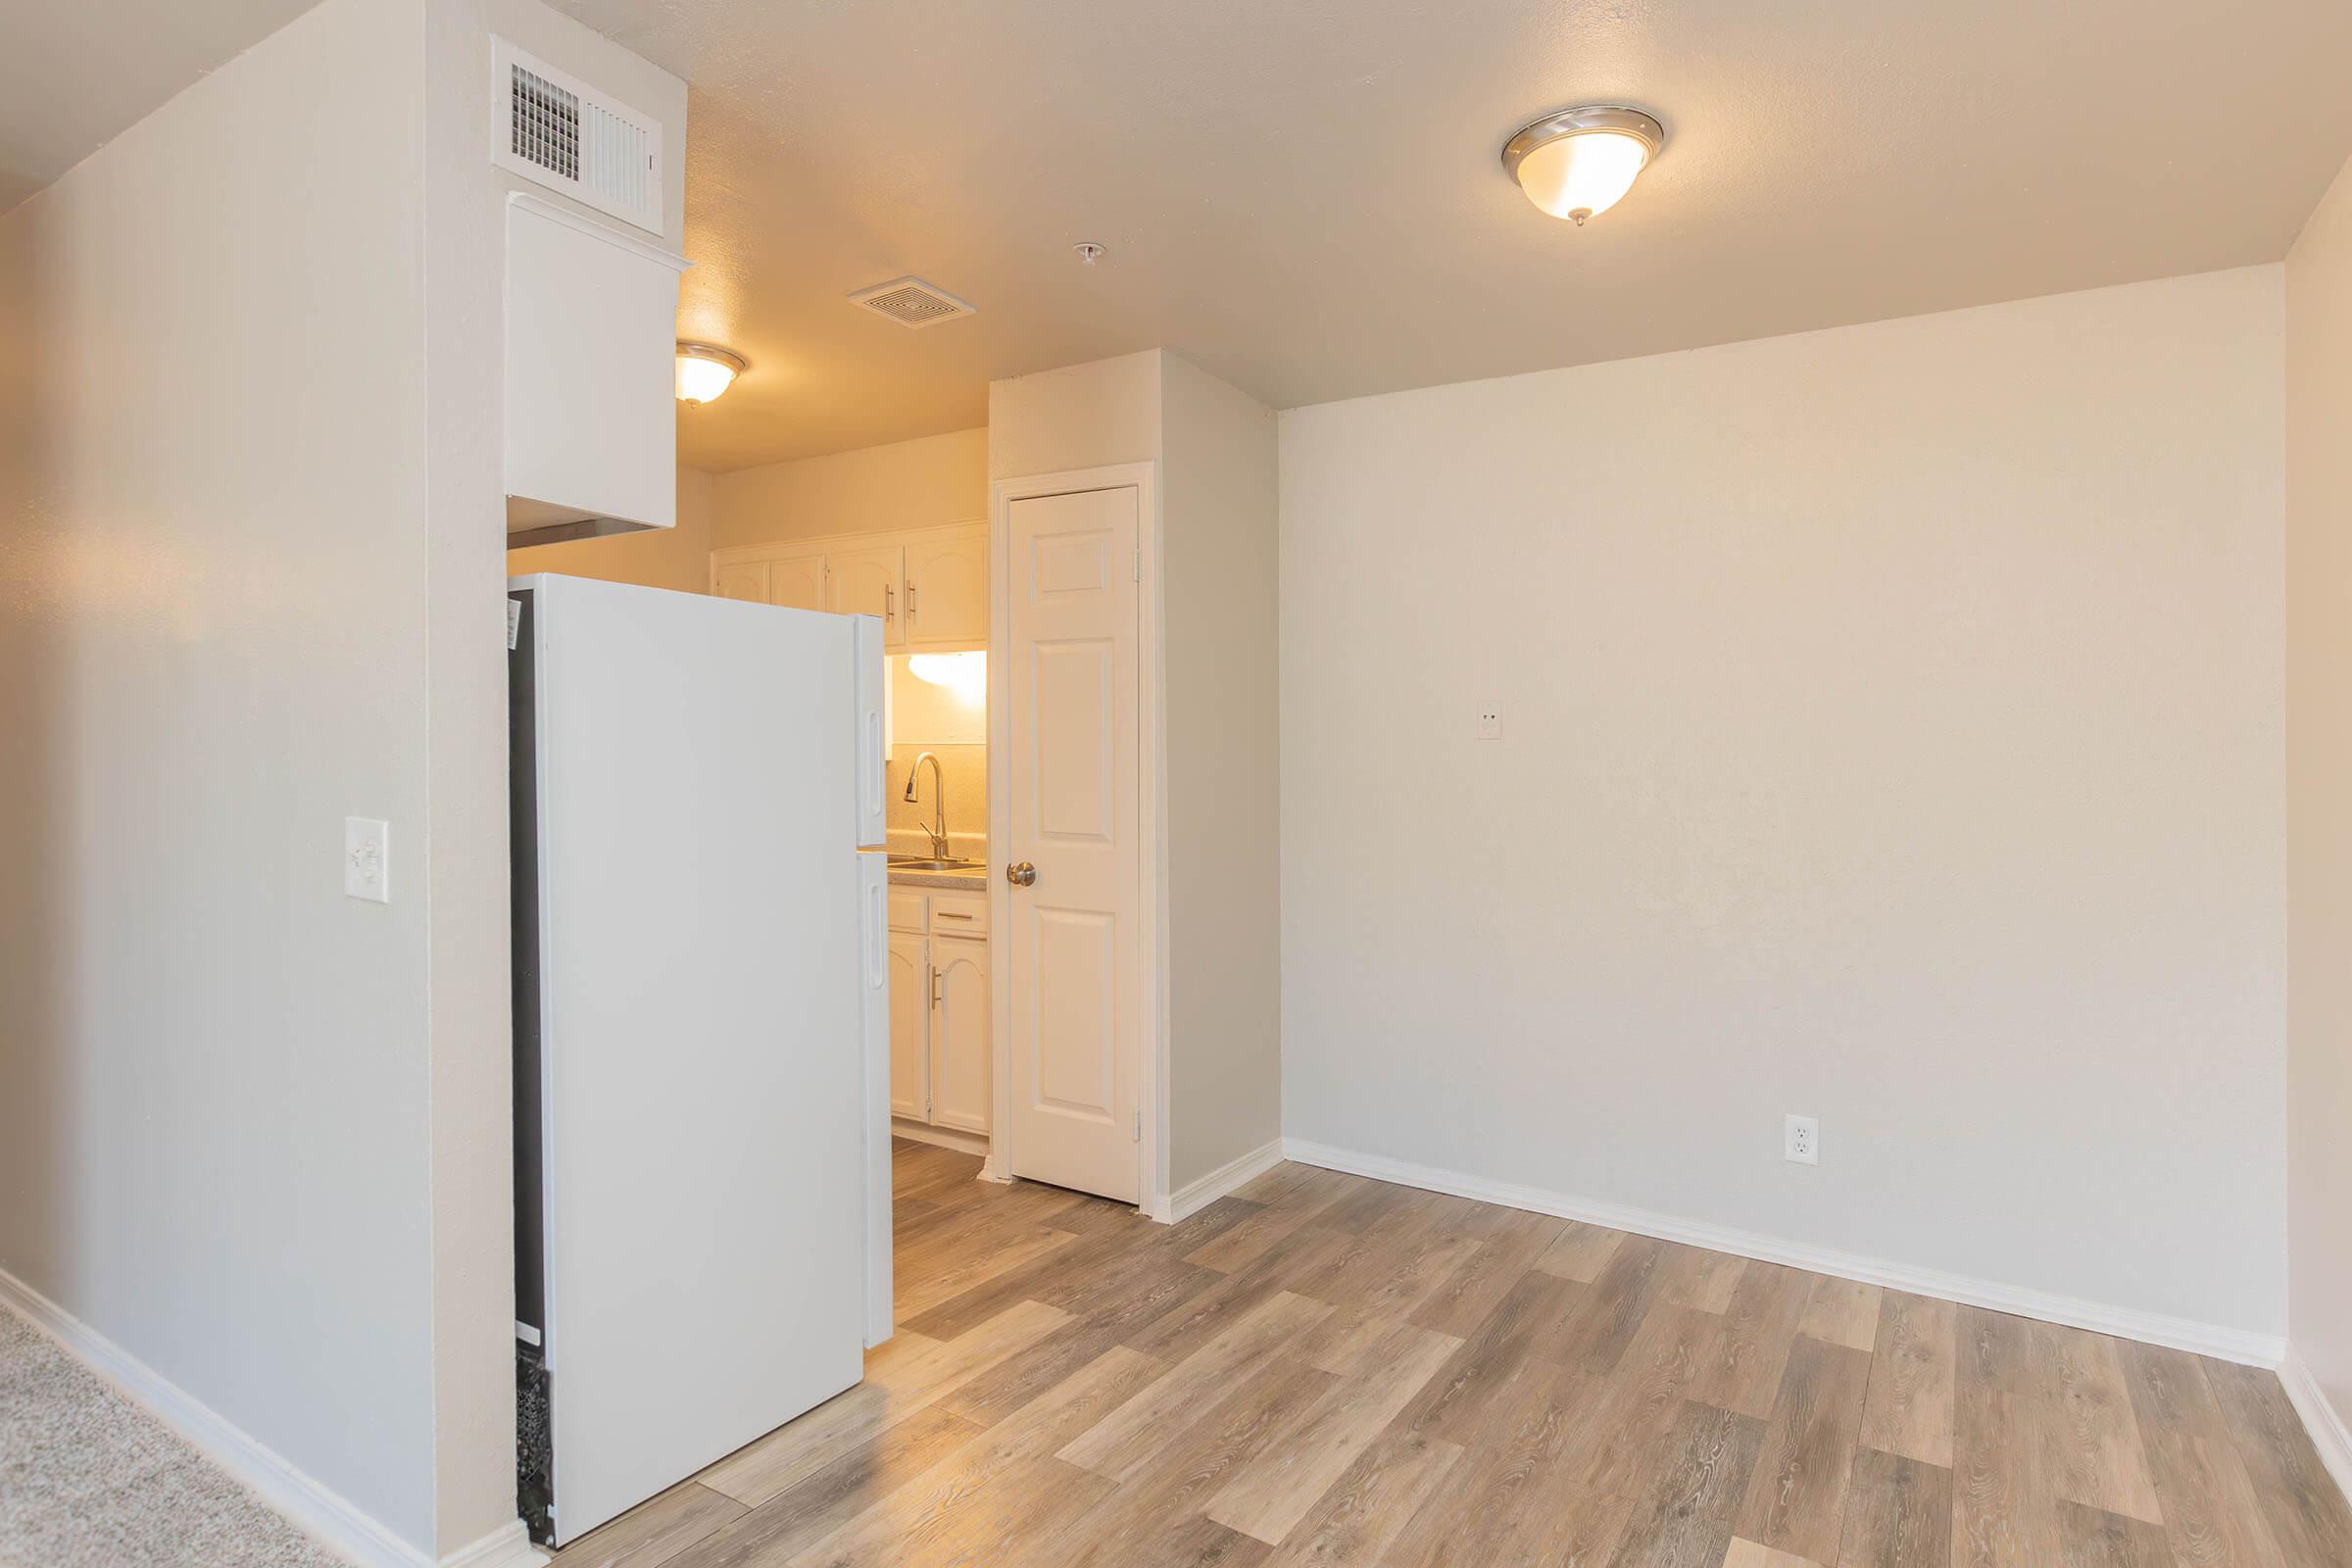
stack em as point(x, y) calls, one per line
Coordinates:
point(702, 1008)
point(873, 929)
point(873, 731)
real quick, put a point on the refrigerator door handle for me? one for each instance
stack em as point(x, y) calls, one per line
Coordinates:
point(870, 936)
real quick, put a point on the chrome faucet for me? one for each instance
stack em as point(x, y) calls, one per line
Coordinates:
point(938, 802)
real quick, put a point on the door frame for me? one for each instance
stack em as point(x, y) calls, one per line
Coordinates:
point(1152, 1081)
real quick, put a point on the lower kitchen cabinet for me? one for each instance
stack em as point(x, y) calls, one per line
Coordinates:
point(940, 1065)
point(909, 1026)
point(960, 1064)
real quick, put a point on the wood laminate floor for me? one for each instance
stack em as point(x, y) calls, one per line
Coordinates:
point(1332, 1371)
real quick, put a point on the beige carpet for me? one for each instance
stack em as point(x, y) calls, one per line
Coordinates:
point(89, 1480)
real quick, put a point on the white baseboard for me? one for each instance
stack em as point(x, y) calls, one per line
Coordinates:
point(323, 1514)
point(2182, 1334)
point(507, 1546)
point(2329, 1433)
point(1194, 1197)
point(916, 1131)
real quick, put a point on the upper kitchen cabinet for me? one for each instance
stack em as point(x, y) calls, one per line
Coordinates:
point(796, 582)
point(746, 581)
point(591, 349)
point(868, 583)
point(927, 586)
point(947, 587)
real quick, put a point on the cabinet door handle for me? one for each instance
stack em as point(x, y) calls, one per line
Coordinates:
point(911, 598)
point(931, 981)
point(889, 601)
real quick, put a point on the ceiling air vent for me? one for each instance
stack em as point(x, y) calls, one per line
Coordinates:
point(912, 302)
point(557, 131)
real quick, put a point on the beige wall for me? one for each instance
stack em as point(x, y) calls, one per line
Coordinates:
point(2318, 794)
point(214, 1131)
point(1891, 733)
point(1217, 617)
point(907, 484)
point(676, 557)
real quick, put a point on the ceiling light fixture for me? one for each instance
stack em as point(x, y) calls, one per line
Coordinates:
point(1581, 162)
point(1089, 253)
point(705, 371)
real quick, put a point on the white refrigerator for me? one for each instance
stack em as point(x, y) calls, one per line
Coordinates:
point(701, 1031)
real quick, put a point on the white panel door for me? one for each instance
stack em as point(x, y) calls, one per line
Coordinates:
point(909, 1027)
point(946, 588)
point(865, 582)
point(743, 579)
point(1076, 1008)
point(798, 582)
point(959, 1062)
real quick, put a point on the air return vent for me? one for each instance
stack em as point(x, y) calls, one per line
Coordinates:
point(912, 302)
point(560, 133)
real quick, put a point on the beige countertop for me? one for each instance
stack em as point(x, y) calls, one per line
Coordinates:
point(973, 881)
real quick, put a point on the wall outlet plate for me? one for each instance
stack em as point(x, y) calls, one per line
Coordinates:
point(1800, 1141)
point(1490, 721)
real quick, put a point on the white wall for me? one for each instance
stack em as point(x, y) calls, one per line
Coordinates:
point(1080, 416)
point(214, 1133)
point(904, 484)
point(2319, 798)
point(1891, 732)
point(1222, 764)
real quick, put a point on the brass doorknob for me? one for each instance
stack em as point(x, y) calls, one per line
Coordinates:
point(1020, 875)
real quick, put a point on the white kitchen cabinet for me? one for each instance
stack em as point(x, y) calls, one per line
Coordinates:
point(929, 586)
point(941, 1068)
point(591, 314)
point(797, 582)
point(909, 1026)
point(868, 583)
point(960, 1059)
point(947, 587)
point(745, 580)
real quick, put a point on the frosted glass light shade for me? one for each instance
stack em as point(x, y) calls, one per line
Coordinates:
point(964, 674)
point(703, 372)
point(1582, 162)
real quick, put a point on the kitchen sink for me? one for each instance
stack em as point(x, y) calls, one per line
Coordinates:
point(905, 862)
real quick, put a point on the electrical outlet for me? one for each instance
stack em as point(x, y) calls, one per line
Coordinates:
point(1800, 1141)
point(1489, 722)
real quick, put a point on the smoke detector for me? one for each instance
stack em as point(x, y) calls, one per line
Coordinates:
point(912, 302)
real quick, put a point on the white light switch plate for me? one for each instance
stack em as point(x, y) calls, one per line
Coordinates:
point(366, 858)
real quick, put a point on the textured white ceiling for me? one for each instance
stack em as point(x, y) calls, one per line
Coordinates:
point(75, 73)
point(1305, 195)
